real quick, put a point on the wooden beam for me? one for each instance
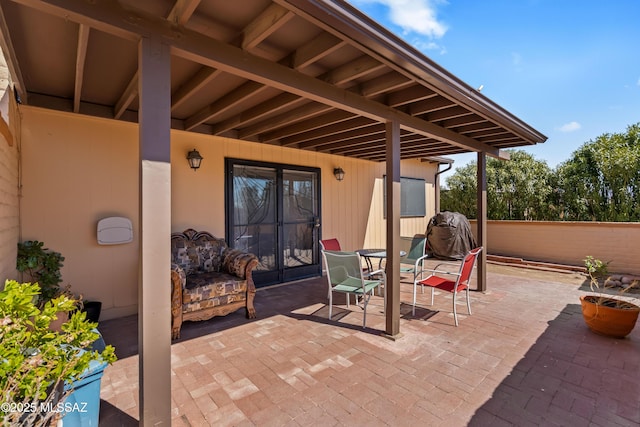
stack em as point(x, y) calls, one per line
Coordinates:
point(191, 45)
point(357, 68)
point(182, 10)
point(309, 128)
point(318, 48)
point(306, 111)
point(269, 21)
point(384, 83)
point(81, 55)
point(194, 84)
point(230, 100)
point(343, 132)
point(283, 101)
point(179, 14)
point(127, 97)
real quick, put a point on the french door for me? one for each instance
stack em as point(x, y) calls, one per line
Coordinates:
point(273, 211)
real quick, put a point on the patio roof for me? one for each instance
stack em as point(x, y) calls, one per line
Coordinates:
point(313, 75)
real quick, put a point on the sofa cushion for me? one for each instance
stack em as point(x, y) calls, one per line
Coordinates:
point(185, 254)
point(213, 284)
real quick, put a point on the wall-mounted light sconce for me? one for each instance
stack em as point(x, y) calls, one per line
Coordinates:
point(338, 173)
point(194, 158)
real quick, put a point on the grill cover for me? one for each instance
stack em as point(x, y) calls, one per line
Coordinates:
point(449, 236)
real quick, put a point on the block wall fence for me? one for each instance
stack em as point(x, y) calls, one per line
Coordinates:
point(567, 242)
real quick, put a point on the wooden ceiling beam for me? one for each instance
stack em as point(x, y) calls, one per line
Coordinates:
point(258, 112)
point(315, 50)
point(127, 97)
point(447, 114)
point(112, 18)
point(317, 124)
point(182, 10)
point(268, 22)
point(195, 83)
point(429, 106)
point(230, 100)
point(385, 83)
point(330, 126)
point(345, 136)
point(180, 13)
point(81, 56)
point(355, 69)
point(311, 109)
point(411, 94)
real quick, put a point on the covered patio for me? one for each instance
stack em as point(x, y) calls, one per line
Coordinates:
point(316, 82)
point(525, 357)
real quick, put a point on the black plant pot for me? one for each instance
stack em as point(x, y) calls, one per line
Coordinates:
point(92, 308)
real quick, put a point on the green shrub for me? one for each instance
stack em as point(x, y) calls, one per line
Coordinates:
point(36, 361)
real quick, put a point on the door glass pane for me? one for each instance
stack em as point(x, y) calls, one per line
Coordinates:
point(299, 217)
point(298, 245)
point(254, 213)
point(300, 201)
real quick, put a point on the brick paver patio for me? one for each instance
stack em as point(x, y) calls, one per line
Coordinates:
point(523, 358)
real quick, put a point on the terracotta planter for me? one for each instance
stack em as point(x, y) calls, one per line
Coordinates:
point(607, 319)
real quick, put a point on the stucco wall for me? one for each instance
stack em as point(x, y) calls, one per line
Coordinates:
point(79, 169)
point(567, 242)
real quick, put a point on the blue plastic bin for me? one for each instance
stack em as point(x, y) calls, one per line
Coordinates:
point(82, 407)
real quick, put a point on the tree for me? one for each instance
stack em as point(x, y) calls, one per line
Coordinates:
point(517, 189)
point(601, 181)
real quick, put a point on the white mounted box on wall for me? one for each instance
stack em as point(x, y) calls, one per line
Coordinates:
point(115, 230)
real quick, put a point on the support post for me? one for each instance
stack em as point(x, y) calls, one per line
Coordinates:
point(392, 330)
point(482, 221)
point(154, 308)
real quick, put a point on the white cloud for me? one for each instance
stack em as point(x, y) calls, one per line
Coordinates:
point(570, 127)
point(418, 16)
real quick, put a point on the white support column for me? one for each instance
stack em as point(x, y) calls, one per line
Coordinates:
point(154, 290)
point(482, 220)
point(392, 330)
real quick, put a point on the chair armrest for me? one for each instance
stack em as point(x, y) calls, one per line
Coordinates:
point(239, 263)
point(178, 277)
point(382, 272)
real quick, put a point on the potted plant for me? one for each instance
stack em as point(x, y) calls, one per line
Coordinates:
point(39, 368)
point(603, 313)
point(43, 265)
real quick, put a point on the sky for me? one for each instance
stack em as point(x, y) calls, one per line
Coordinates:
point(568, 68)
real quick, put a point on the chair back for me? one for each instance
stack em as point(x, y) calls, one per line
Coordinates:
point(467, 265)
point(330, 245)
point(342, 266)
point(416, 249)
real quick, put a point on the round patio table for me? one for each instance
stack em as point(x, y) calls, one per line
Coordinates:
point(381, 254)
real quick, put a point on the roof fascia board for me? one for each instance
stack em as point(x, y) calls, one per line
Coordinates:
point(334, 15)
point(110, 17)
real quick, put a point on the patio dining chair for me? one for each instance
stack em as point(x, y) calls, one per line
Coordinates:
point(456, 283)
point(344, 275)
point(413, 261)
point(330, 245)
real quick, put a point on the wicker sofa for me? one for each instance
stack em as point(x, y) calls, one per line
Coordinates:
point(208, 278)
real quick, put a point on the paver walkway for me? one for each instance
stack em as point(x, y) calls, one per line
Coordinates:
point(523, 358)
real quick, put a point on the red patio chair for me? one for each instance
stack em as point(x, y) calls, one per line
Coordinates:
point(330, 245)
point(461, 283)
